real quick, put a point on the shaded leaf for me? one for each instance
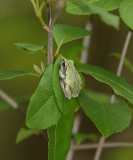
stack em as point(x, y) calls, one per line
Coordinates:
point(24, 133)
point(60, 137)
point(107, 117)
point(43, 111)
point(29, 47)
point(12, 74)
point(65, 105)
point(80, 137)
point(51, 144)
point(119, 85)
point(64, 33)
point(98, 96)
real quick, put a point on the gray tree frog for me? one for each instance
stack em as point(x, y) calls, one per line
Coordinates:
point(71, 82)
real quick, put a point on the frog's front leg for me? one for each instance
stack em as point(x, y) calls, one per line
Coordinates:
point(62, 74)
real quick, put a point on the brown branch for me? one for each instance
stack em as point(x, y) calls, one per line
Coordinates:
point(60, 5)
point(11, 102)
point(105, 145)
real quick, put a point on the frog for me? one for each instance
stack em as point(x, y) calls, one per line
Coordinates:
point(70, 79)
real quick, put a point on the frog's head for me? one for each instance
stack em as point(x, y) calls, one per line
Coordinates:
point(67, 63)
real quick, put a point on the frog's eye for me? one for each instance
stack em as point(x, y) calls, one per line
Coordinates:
point(63, 63)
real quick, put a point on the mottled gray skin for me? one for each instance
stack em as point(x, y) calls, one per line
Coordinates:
point(71, 82)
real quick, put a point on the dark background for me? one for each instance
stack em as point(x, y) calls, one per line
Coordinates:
point(19, 24)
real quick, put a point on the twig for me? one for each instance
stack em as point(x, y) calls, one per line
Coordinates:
point(105, 145)
point(112, 99)
point(50, 37)
point(11, 102)
point(50, 33)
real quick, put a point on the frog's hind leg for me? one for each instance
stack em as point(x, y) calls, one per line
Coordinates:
point(66, 89)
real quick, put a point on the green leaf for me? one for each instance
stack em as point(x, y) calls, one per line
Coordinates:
point(65, 104)
point(126, 12)
point(29, 47)
point(24, 133)
point(43, 110)
point(108, 4)
point(60, 137)
point(108, 118)
point(64, 33)
point(73, 51)
point(12, 74)
point(127, 63)
point(87, 9)
point(98, 96)
point(20, 100)
point(119, 85)
point(80, 137)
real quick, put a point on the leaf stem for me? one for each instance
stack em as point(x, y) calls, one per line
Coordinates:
point(112, 99)
point(38, 12)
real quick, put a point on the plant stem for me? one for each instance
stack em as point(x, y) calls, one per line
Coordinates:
point(105, 145)
point(60, 5)
point(50, 37)
point(112, 99)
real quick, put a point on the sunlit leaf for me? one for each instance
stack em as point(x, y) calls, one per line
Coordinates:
point(43, 111)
